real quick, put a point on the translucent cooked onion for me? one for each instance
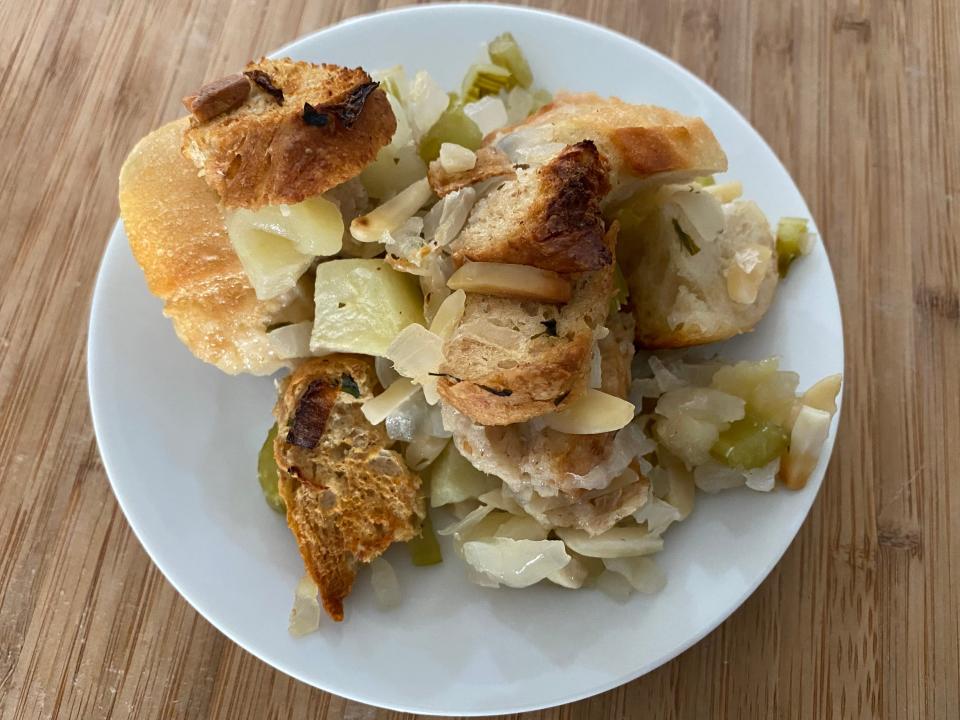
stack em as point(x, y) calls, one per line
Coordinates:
point(453, 479)
point(291, 341)
point(386, 587)
point(593, 413)
point(489, 113)
point(519, 104)
point(305, 614)
point(522, 527)
point(488, 333)
point(747, 273)
point(763, 479)
point(643, 574)
point(572, 575)
point(726, 192)
point(698, 212)
point(456, 158)
point(425, 102)
point(416, 352)
point(376, 409)
point(472, 519)
point(615, 586)
point(702, 403)
point(423, 450)
point(391, 214)
point(666, 379)
point(712, 477)
point(628, 444)
point(385, 372)
point(516, 563)
point(615, 542)
point(446, 219)
point(657, 514)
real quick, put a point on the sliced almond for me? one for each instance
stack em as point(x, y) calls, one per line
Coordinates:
point(520, 282)
point(593, 413)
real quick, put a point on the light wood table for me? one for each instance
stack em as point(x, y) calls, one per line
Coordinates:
point(861, 100)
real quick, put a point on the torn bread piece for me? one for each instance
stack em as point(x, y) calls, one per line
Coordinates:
point(641, 142)
point(548, 217)
point(588, 482)
point(511, 360)
point(177, 236)
point(348, 495)
point(300, 130)
point(683, 298)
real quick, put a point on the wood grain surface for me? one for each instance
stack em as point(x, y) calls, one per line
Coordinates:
point(861, 619)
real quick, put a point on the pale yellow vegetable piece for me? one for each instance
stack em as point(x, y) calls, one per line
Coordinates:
point(272, 263)
point(643, 574)
point(747, 272)
point(615, 542)
point(592, 413)
point(376, 409)
point(361, 306)
point(521, 282)
point(448, 315)
point(415, 352)
point(823, 394)
point(453, 479)
point(806, 441)
point(391, 214)
point(726, 192)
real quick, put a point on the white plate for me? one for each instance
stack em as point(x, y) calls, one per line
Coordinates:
point(179, 441)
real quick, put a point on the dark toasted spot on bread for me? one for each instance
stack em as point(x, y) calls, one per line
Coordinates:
point(497, 391)
point(265, 83)
point(346, 111)
point(310, 417)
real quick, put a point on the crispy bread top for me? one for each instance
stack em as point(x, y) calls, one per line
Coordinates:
point(348, 495)
point(301, 130)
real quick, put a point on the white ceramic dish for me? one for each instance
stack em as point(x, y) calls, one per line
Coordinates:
point(179, 441)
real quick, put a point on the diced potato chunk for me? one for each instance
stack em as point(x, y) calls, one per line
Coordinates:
point(361, 306)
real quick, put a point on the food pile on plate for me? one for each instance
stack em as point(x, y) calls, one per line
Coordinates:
point(483, 297)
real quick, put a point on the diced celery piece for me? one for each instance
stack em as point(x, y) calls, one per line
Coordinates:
point(791, 240)
point(485, 79)
point(505, 51)
point(425, 550)
point(750, 443)
point(453, 126)
point(267, 473)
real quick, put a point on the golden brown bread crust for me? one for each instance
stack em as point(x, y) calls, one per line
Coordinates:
point(493, 385)
point(266, 153)
point(348, 496)
point(561, 229)
point(638, 140)
point(177, 236)
point(491, 163)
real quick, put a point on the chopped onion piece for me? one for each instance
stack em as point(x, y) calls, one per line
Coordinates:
point(415, 351)
point(305, 614)
point(489, 113)
point(698, 213)
point(385, 372)
point(519, 104)
point(448, 315)
point(386, 587)
point(426, 102)
point(391, 214)
point(516, 563)
point(446, 219)
point(522, 527)
point(657, 514)
point(701, 403)
point(666, 379)
point(712, 477)
point(763, 479)
point(592, 413)
point(521, 282)
point(572, 575)
point(596, 368)
point(615, 542)
point(453, 479)
point(292, 341)
point(806, 440)
point(499, 500)
point(423, 450)
point(468, 522)
point(643, 574)
point(376, 409)
point(456, 158)
point(615, 586)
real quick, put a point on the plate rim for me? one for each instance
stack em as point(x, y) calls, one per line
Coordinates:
point(117, 232)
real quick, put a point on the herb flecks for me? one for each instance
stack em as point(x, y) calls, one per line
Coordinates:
point(496, 391)
point(349, 385)
point(686, 242)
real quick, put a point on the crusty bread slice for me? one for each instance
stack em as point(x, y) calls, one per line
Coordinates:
point(548, 217)
point(639, 141)
point(177, 236)
point(491, 163)
point(681, 299)
point(348, 495)
point(512, 360)
point(563, 480)
point(301, 130)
